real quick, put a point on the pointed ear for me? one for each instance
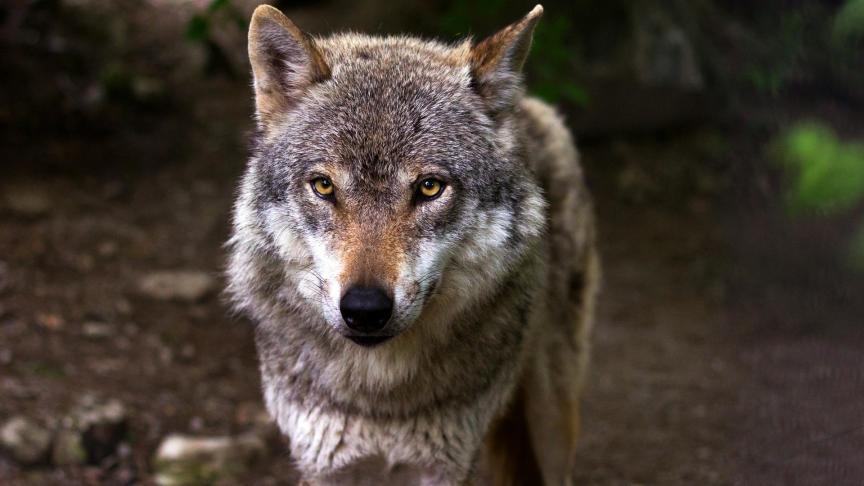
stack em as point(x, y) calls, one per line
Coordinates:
point(496, 62)
point(285, 62)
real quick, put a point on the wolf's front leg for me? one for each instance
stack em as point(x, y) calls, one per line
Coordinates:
point(552, 392)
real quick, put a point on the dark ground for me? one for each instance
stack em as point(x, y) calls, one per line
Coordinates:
point(728, 344)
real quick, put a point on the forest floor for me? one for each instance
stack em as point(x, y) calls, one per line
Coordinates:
point(718, 356)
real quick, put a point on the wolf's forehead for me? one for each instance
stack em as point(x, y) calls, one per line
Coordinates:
point(395, 89)
point(396, 71)
point(388, 113)
point(393, 50)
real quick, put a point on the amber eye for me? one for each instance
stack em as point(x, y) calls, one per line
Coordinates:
point(430, 188)
point(323, 187)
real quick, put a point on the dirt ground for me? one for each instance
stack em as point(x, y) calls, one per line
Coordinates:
point(727, 350)
point(660, 385)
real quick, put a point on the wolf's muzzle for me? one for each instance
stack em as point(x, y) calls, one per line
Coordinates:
point(366, 310)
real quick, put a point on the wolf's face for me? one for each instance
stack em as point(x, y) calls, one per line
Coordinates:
point(386, 176)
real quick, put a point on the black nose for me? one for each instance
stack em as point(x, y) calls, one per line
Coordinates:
point(366, 309)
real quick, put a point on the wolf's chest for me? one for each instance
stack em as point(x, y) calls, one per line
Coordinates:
point(435, 448)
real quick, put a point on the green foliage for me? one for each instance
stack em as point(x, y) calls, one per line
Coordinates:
point(784, 56)
point(199, 27)
point(807, 42)
point(44, 369)
point(849, 22)
point(767, 81)
point(827, 174)
point(552, 64)
point(459, 17)
point(201, 30)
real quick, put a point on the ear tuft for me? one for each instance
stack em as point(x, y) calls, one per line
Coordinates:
point(497, 61)
point(285, 62)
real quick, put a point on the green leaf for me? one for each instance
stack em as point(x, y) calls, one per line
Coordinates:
point(827, 174)
point(216, 5)
point(198, 28)
point(575, 94)
point(849, 21)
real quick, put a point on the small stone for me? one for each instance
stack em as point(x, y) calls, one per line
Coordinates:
point(97, 330)
point(254, 416)
point(180, 285)
point(123, 307)
point(187, 352)
point(147, 89)
point(107, 248)
point(196, 424)
point(29, 201)
point(635, 184)
point(100, 425)
point(252, 413)
point(204, 187)
point(113, 190)
point(5, 277)
point(166, 355)
point(68, 449)
point(25, 440)
point(50, 321)
point(85, 262)
point(665, 55)
point(184, 461)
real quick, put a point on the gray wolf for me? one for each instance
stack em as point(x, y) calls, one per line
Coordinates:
point(415, 243)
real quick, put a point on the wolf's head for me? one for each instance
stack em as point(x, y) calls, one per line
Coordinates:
point(387, 190)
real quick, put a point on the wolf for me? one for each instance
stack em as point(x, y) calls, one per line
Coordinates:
point(414, 241)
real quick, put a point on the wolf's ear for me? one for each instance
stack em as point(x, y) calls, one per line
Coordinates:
point(496, 62)
point(285, 61)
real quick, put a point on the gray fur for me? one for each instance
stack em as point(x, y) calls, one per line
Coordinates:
point(495, 279)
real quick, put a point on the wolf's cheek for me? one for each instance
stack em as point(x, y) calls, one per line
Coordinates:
point(418, 278)
point(322, 284)
point(485, 252)
point(287, 240)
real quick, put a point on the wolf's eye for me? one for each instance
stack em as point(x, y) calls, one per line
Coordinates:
point(323, 187)
point(430, 189)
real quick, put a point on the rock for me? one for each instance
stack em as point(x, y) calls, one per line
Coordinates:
point(664, 54)
point(252, 413)
point(185, 461)
point(68, 448)
point(148, 89)
point(100, 426)
point(97, 330)
point(188, 352)
point(5, 277)
point(254, 416)
point(50, 321)
point(28, 201)
point(107, 248)
point(181, 285)
point(635, 185)
point(25, 440)
point(123, 306)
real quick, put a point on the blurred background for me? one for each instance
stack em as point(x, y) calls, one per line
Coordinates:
point(723, 141)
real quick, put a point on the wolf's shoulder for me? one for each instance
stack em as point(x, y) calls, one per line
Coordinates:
point(548, 145)
point(551, 154)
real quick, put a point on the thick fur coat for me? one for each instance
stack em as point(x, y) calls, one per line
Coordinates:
point(492, 279)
